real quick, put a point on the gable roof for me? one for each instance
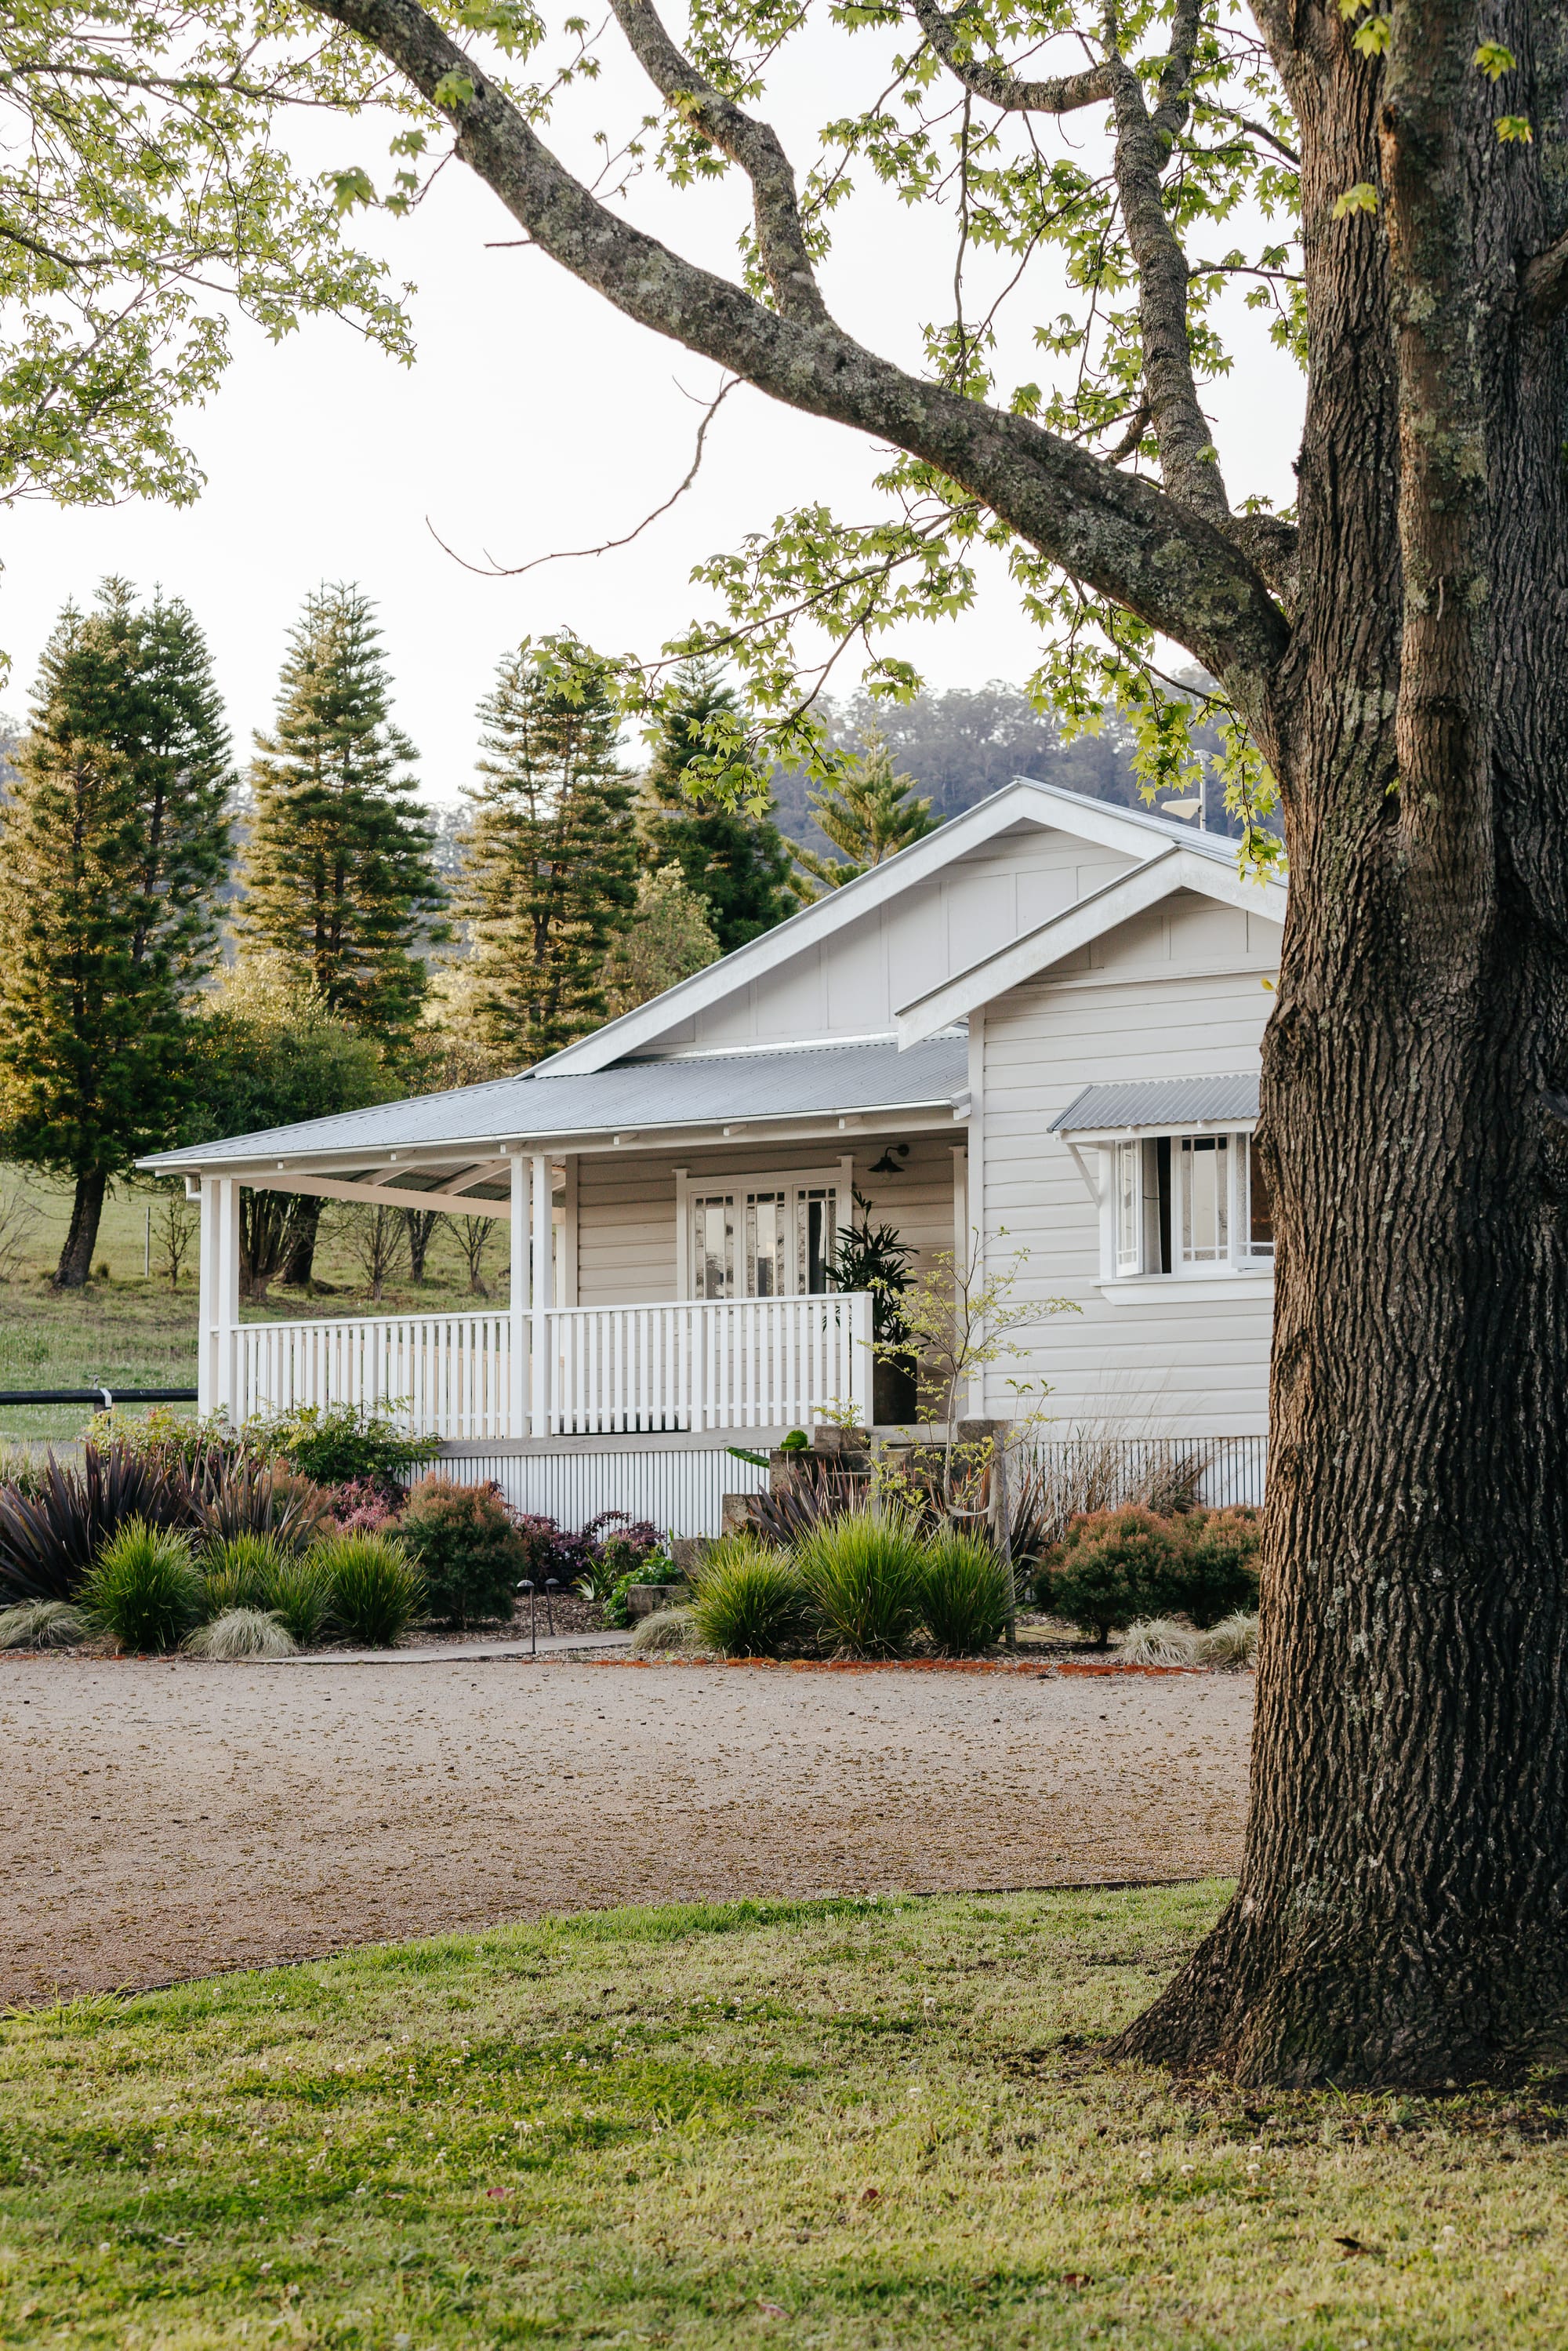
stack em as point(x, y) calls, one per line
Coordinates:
point(1025, 801)
point(1174, 866)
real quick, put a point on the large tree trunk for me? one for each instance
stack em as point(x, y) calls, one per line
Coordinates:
point(81, 1233)
point(1401, 1912)
point(299, 1263)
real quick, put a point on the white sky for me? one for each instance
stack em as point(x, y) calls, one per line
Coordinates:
point(537, 418)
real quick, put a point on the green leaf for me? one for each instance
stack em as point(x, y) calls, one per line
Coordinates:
point(1362, 198)
point(453, 89)
point(1514, 128)
point(351, 187)
point(1375, 35)
point(1494, 60)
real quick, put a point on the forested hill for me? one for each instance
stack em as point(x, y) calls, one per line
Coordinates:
point(961, 745)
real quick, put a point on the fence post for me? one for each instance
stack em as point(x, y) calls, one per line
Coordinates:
point(862, 1363)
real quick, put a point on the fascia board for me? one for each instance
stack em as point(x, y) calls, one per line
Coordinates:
point(1021, 799)
point(1170, 869)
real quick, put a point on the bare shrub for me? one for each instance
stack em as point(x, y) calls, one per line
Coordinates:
point(18, 1222)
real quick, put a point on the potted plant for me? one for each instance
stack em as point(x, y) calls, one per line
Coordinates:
point(872, 1258)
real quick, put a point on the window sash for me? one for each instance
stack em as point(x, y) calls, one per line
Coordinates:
point(787, 1233)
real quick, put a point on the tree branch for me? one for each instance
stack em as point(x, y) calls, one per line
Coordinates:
point(995, 84)
point(1142, 146)
point(1118, 533)
point(780, 239)
point(1544, 279)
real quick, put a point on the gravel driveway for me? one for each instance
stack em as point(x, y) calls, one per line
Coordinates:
point(162, 1820)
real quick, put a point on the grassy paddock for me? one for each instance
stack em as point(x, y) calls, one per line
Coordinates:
point(125, 1330)
point(837, 2124)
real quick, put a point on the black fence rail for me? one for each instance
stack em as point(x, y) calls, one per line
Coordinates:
point(105, 1399)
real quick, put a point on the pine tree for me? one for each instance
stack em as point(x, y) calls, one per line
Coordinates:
point(868, 813)
point(737, 862)
point(113, 844)
point(552, 862)
point(339, 873)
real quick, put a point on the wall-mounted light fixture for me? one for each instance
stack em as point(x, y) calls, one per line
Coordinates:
point(888, 1165)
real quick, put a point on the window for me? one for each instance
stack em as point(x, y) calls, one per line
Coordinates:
point(786, 1232)
point(1205, 1181)
point(1129, 1207)
point(1186, 1204)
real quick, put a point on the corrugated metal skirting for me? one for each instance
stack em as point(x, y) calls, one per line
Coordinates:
point(682, 1492)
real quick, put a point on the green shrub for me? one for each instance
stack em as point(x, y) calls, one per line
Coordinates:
point(377, 1590)
point(143, 1588)
point(241, 1632)
point(298, 1592)
point(1109, 1568)
point(863, 1575)
point(239, 1568)
point(746, 1600)
point(468, 1550)
point(343, 1443)
point(41, 1624)
point(966, 1593)
point(1215, 1570)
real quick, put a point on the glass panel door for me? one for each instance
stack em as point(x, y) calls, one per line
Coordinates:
point(817, 1238)
point(713, 1245)
point(767, 1237)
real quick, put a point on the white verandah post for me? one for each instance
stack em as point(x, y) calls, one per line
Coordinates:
point(543, 1291)
point(517, 1302)
point(217, 1303)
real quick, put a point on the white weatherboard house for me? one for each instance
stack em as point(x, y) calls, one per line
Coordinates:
point(1040, 1025)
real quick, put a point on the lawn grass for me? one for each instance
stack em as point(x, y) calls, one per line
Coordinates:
point(126, 1330)
point(844, 2124)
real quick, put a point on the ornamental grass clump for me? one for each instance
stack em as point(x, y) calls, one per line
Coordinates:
point(966, 1593)
point(239, 1568)
point(746, 1600)
point(144, 1588)
point(298, 1592)
point(377, 1591)
point(241, 1632)
point(666, 1633)
point(1232, 1642)
point(41, 1624)
point(862, 1573)
point(1160, 1641)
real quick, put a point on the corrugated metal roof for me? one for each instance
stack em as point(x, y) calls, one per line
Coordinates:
point(793, 1081)
point(1157, 1102)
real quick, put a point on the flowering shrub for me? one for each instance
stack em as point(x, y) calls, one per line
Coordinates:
point(366, 1506)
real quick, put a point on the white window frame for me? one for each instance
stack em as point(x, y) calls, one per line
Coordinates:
point(836, 1175)
point(1125, 1162)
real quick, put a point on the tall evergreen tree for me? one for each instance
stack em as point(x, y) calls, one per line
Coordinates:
point(112, 843)
point(737, 861)
point(340, 875)
point(551, 876)
point(869, 813)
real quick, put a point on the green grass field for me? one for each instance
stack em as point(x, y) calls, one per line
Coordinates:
point(841, 2124)
point(129, 1330)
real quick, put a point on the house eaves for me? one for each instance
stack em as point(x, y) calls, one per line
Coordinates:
point(1174, 866)
point(1025, 801)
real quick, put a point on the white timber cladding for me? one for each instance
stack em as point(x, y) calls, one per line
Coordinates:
point(1178, 992)
point(852, 983)
point(628, 1220)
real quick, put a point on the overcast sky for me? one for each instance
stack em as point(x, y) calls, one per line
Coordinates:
point(535, 418)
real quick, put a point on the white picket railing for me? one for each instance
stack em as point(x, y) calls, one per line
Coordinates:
point(754, 1362)
point(449, 1375)
point(742, 1362)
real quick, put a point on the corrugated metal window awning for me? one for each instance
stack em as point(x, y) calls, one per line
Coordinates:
point(1160, 1102)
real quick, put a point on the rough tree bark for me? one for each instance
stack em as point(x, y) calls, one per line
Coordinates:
point(1400, 1915)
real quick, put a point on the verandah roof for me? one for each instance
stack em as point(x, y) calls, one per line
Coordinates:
point(772, 1084)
